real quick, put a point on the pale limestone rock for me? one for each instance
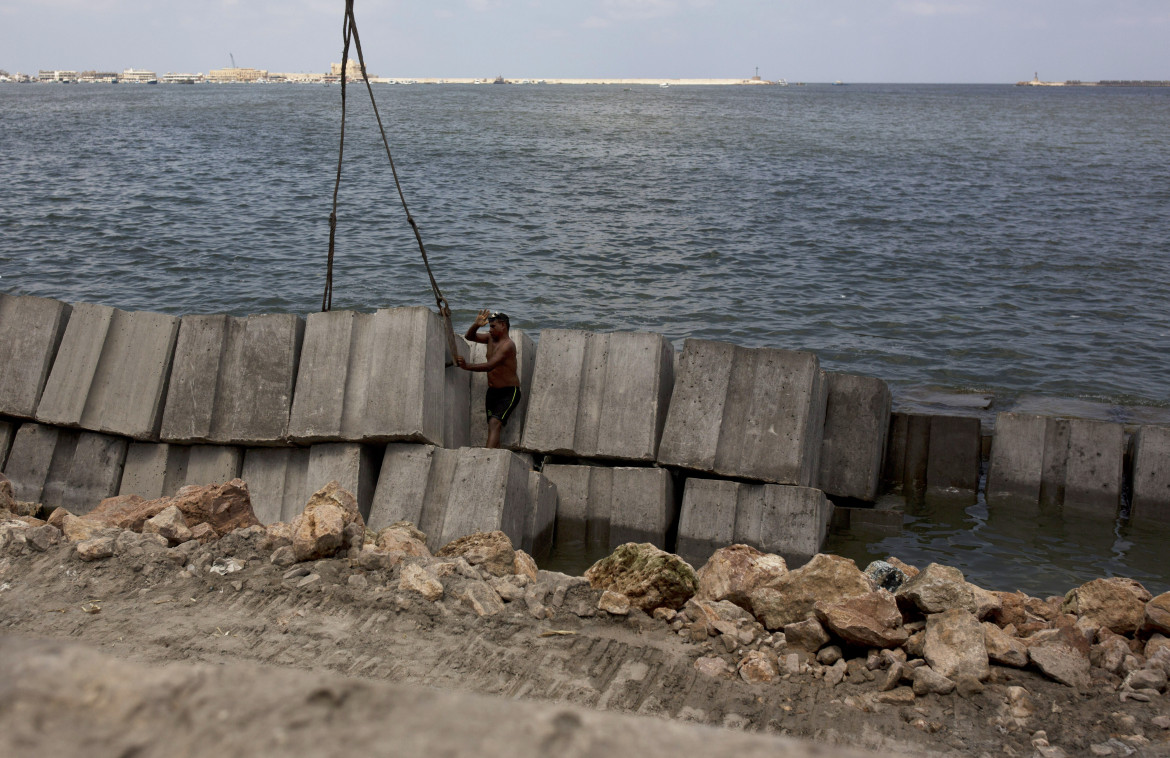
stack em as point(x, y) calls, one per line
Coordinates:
point(1060, 657)
point(714, 666)
point(7, 495)
point(835, 674)
point(1116, 605)
point(954, 645)
point(871, 620)
point(524, 565)
point(927, 681)
point(204, 533)
point(897, 696)
point(938, 588)
point(403, 537)
point(95, 549)
point(614, 602)
point(1002, 648)
point(492, 550)
point(1157, 614)
point(807, 635)
point(481, 598)
point(758, 667)
point(733, 573)
point(318, 532)
point(791, 598)
point(169, 524)
point(649, 577)
point(415, 578)
point(712, 611)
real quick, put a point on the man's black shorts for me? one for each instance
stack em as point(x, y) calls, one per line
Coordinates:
point(501, 401)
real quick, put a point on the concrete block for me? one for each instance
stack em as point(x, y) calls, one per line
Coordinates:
point(374, 377)
point(488, 492)
point(525, 364)
point(707, 520)
point(853, 446)
point(954, 457)
point(111, 372)
point(30, 333)
point(572, 483)
point(1151, 475)
point(154, 470)
point(352, 465)
point(1017, 458)
point(276, 481)
point(413, 485)
point(232, 379)
point(789, 521)
point(7, 432)
point(538, 534)
point(64, 467)
point(643, 508)
point(1094, 467)
point(754, 413)
point(213, 464)
point(457, 401)
point(599, 395)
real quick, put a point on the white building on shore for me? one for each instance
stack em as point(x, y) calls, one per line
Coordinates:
point(138, 76)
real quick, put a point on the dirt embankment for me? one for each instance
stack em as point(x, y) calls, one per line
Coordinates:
point(541, 637)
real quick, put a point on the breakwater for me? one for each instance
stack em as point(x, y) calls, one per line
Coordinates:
point(621, 439)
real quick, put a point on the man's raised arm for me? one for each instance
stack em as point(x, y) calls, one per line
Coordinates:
point(473, 334)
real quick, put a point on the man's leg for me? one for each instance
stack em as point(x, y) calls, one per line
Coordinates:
point(494, 427)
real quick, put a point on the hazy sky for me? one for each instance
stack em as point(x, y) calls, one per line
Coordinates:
point(851, 40)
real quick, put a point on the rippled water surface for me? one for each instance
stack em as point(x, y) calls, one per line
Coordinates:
point(1004, 240)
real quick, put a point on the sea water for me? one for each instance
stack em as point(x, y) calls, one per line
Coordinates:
point(1010, 243)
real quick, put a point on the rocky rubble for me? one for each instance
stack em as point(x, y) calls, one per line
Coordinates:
point(893, 635)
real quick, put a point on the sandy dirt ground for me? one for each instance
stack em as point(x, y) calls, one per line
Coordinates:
point(151, 605)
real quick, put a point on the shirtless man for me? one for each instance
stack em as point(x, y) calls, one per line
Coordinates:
point(503, 392)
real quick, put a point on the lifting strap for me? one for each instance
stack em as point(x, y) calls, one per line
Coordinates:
point(349, 28)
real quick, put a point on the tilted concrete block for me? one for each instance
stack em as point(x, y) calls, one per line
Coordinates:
point(414, 485)
point(374, 377)
point(538, 534)
point(276, 479)
point(64, 467)
point(154, 470)
point(111, 372)
point(755, 413)
point(352, 465)
point(232, 379)
point(787, 520)
point(599, 395)
point(213, 464)
point(604, 507)
point(488, 492)
point(525, 364)
point(30, 333)
point(457, 409)
point(1094, 468)
point(7, 431)
point(853, 445)
point(954, 458)
point(1017, 459)
point(1151, 475)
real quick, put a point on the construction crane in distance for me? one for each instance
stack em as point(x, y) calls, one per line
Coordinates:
point(233, 60)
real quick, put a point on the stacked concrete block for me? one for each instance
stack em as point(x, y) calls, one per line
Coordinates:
point(111, 372)
point(1074, 464)
point(232, 379)
point(30, 333)
point(790, 521)
point(1151, 475)
point(599, 395)
point(605, 507)
point(213, 464)
point(64, 467)
point(154, 470)
point(748, 413)
point(7, 431)
point(375, 377)
point(452, 493)
point(510, 437)
point(935, 456)
point(457, 409)
point(857, 422)
point(538, 535)
point(276, 479)
point(352, 465)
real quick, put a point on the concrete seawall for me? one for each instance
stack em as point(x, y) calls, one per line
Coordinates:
point(728, 444)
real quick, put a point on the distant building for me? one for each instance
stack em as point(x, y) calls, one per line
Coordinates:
point(57, 76)
point(138, 76)
point(169, 78)
point(353, 70)
point(98, 77)
point(224, 75)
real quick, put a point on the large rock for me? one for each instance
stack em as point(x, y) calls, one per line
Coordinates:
point(320, 531)
point(415, 578)
point(1062, 656)
point(954, 645)
point(938, 588)
point(733, 573)
point(169, 524)
point(599, 395)
point(225, 507)
point(754, 413)
point(492, 550)
point(1002, 648)
point(650, 577)
point(871, 620)
point(1109, 603)
point(7, 495)
point(1157, 614)
point(792, 597)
